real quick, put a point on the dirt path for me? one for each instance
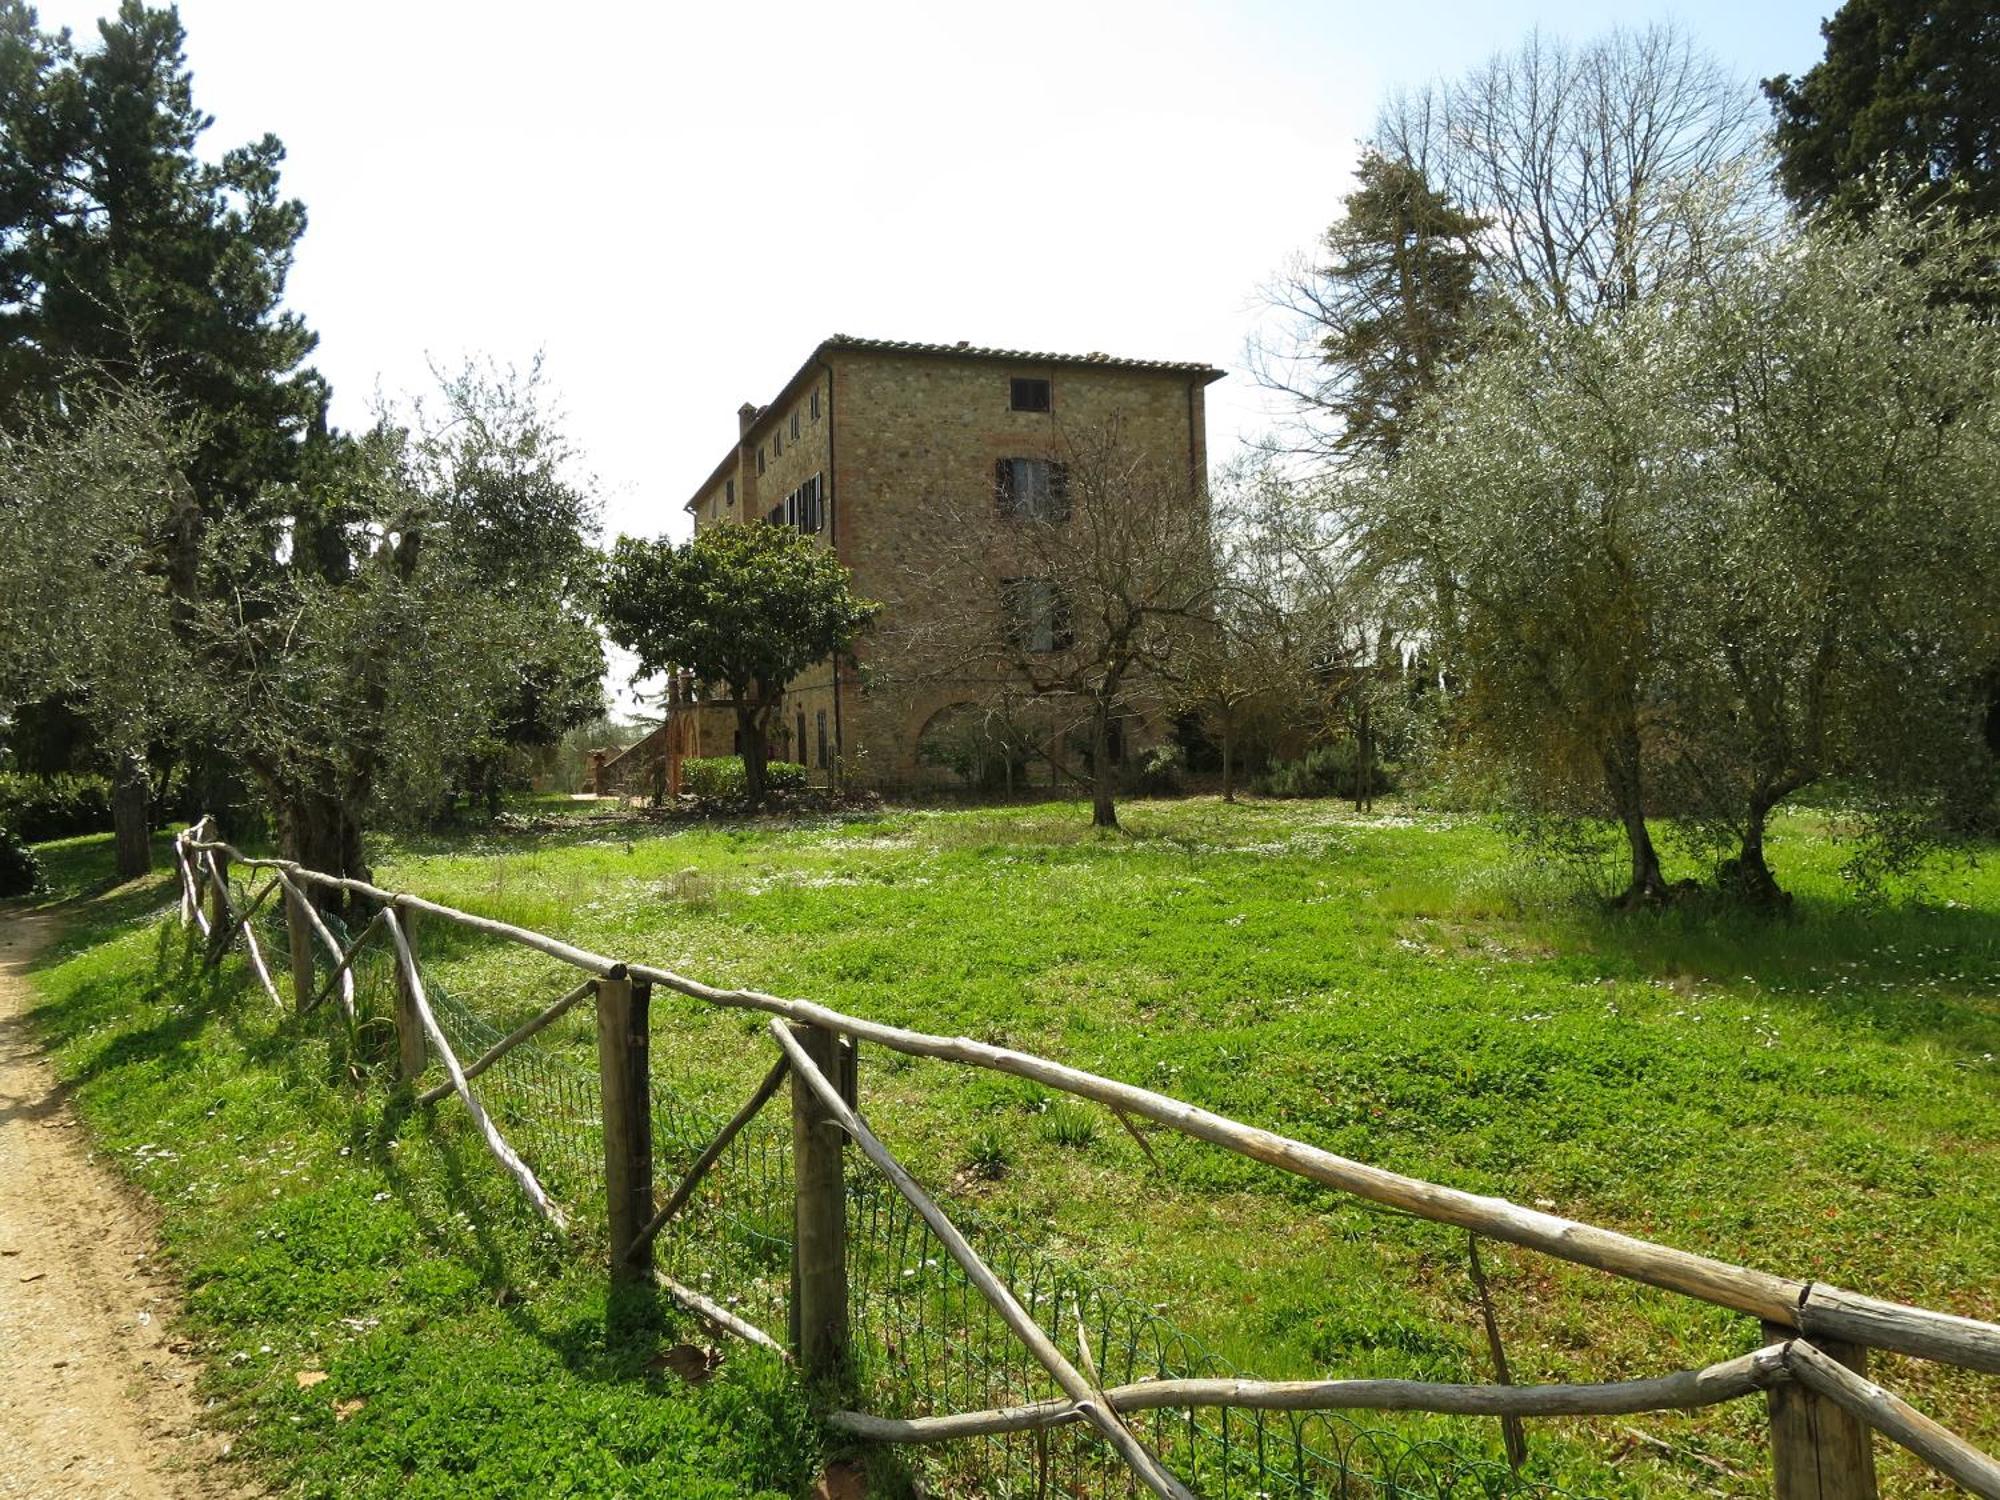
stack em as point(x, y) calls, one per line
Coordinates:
point(94, 1399)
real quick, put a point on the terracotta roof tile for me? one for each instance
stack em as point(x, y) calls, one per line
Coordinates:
point(1022, 356)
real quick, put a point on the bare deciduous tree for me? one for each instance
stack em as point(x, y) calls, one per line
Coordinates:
point(1073, 582)
point(1602, 172)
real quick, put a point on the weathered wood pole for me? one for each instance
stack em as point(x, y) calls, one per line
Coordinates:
point(221, 915)
point(1818, 1450)
point(298, 928)
point(819, 1218)
point(624, 1073)
point(412, 1049)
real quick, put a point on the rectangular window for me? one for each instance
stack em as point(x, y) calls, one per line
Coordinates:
point(1032, 489)
point(822, 734)
point(802, 507)
point(777, 444)
point(760, 458)
point(815, 406)
point(729, 492)
point(776, 516)
point(1028, 395)
point(1038, 615)
point(795, 426)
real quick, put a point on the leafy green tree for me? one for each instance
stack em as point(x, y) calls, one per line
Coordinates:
point(124, 255)
point(747, 607)
point(1844, 576)
point(1909, 90)
point(1710, 550)
point(350, 662)
point(1555, 484)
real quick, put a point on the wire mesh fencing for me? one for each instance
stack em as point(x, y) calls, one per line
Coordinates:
point(925, 1342)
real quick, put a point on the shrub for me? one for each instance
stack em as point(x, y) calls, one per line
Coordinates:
point(60, 806)
point(989, 1156)
point(20, 868)
point(1160, 770)
point(719, 779)
point(1328, 771)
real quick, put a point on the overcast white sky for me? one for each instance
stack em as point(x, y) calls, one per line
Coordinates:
point(676, 202)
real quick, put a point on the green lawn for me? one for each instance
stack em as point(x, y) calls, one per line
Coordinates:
point(1819, 1097)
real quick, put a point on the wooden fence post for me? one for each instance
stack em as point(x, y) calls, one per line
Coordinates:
point(819, 1218)
point(1818, 1450)
point(624, 1072)
point(299, 930)
point(218, 908)
point(412, 1047)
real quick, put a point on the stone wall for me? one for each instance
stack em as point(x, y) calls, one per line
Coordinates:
point(894, 434)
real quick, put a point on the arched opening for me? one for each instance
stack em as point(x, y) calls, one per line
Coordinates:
point(977, 748)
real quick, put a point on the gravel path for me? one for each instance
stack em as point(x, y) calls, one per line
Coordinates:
point(96, 1396)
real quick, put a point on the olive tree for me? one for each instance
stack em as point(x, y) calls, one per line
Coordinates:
point(344, 638)
point(1556, 481)
point(1708, 550)
point(1845, 575)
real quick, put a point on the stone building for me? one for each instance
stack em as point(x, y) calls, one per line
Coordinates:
point(865, 434)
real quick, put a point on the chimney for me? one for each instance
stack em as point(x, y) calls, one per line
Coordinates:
point(745, 415)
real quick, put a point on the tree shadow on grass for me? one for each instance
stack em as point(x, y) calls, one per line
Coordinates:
point(485, 1228)
point(195, 993)
point(1899, 973)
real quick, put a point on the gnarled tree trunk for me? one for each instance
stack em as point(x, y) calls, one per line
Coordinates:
point(131, 802)
point(1625, 784)
point(322, 832)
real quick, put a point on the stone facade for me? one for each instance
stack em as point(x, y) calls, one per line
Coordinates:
point(857, 444)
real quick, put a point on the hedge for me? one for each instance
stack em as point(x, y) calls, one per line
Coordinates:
point(60, 806)
point(720, 778)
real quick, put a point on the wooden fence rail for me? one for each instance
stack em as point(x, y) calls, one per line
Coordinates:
point(1821, 1410)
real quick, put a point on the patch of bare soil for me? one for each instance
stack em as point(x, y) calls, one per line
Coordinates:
point(96, 1397)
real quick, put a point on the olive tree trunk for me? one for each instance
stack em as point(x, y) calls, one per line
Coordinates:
point(131, 802)
point(1625, 784)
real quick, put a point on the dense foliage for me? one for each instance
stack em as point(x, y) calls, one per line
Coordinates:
point(61, 806)
point(20, 867)
point(745, 608)
point(720, 780)
point(1711, 550)
point(1907, 97)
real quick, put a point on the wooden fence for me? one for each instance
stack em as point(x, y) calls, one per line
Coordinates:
point(1811, 1370)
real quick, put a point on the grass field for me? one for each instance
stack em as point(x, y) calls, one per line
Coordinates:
point(1819, 1097)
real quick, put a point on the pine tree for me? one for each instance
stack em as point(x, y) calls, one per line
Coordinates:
point(1399, 298)
point(124, 257)
point(1909, 85)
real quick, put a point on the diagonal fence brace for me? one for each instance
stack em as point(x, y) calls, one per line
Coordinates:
point(1137, 1456)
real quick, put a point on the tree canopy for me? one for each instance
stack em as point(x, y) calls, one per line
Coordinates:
point(1907, 97)
point(747, 607)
